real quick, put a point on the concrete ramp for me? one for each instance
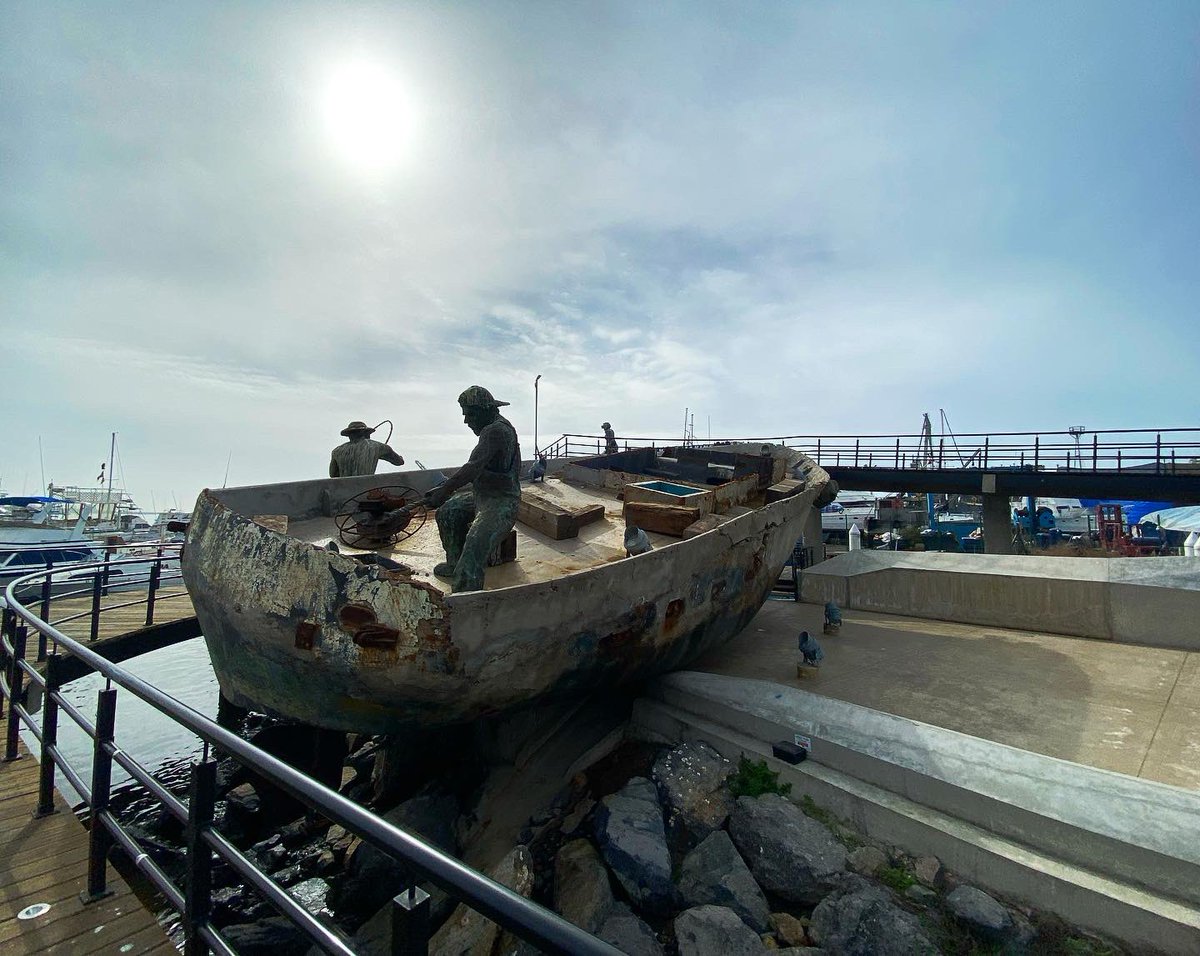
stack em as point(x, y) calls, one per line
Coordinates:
point(1112, 853)
point(1152, 601)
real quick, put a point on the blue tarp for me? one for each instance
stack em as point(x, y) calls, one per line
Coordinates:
point(21, 501)
point(1131, 511)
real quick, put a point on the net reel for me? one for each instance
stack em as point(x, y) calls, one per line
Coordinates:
point(365, 521)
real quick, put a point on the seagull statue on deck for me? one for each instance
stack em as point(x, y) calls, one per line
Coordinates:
point(636, 541)
point(811, 650)
point(537, 471)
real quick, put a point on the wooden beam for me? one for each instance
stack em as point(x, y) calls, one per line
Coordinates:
point(553, 520)
point(661, 519)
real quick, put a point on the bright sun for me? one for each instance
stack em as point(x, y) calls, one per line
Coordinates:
point(368, 115)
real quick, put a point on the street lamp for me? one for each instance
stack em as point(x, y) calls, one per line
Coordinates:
point(535, 415)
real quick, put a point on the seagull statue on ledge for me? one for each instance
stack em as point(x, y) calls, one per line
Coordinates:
point(636, 541)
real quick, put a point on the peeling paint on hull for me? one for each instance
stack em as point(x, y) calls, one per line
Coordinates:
point(273, 612)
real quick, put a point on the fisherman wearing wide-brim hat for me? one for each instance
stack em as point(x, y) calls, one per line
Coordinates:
point(361, 454)
point(471, 523)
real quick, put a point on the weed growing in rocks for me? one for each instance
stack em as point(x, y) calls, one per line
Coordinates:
point(754, 778)
point(898, 878)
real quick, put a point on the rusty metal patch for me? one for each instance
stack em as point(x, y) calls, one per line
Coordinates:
point(306, 633)
point(674, 613)
point(355, 615)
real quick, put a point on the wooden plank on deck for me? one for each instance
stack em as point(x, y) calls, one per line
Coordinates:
point(45, 861)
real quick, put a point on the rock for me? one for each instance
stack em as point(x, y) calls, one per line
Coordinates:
point(715, 931)
point(928, 870)
point(714, 873)
point(582, 893)
point(243, 812)
point(228, 903)
point(624, 930)
point(788, 929)
point(574, 820)
point(276, 855)
point(287, 876)
point(982, 915)
point(861, 920)
point(373, 878)
point(311, 894)
point(273, 936)
point(921, 894)
point(692, 780)
point(629, 829)
point(468, 932)
point(867, 860)
point(802, 951)
point(790, 855)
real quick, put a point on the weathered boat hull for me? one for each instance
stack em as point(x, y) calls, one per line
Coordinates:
point(272, 609)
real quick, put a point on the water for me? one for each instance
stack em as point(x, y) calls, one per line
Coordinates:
point(150, 737)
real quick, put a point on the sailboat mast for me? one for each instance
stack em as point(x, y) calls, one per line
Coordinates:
point(112, 454)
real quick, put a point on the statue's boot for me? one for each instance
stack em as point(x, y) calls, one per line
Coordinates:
point(444, 570)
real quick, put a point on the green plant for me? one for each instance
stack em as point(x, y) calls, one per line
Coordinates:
point(753, 778)
point(898, 878)
point(819, 814)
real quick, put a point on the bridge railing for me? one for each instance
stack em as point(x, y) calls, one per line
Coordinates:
point(193, 900)
point(1157, 451)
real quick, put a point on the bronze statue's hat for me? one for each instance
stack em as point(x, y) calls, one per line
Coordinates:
point(478, 397)
point(357, 427)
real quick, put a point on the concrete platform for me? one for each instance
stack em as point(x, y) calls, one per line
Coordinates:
point(1134, 710)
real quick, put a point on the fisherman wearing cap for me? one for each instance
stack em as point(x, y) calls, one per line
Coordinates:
point(610, 440)
point(471, 523)
point(361, 454)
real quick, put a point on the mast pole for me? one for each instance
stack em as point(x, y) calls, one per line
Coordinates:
point(112, 454)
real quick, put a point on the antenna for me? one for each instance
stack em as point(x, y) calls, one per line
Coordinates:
point(1077, 432)
point(225, 481)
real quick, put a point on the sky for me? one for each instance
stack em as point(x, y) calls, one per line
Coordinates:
point(226, 230)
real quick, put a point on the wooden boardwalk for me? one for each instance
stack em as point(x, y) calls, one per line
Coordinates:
point(45, 861)
point(171, 604)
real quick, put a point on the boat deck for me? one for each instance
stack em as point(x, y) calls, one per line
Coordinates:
point(1121, 707)
point(45, 861)
point(539, 557)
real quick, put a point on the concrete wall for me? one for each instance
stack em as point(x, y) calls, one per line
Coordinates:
point(1152, 601)
point(1109, 852)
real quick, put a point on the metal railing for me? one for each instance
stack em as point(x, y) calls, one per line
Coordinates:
point(1158, 451)
point(410, 908)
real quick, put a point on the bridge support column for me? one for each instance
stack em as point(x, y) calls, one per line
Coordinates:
point(997, 524)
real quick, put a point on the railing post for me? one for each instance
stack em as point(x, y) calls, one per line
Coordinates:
point(856, 453)
point(46, 583)
point(197, 901)
point(155, 571)
point(818, 451)
point(1095, 452)
point(897, 454)
point(985, 450)
point(96, 588)
point(1118, 460)
point(1036, 443)
point(1158, 454)
point(410, 922)
point(16, 683)
point(99, 839)
point(941, 452)
point(46, 768)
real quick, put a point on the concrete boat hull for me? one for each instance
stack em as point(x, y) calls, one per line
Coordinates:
point(273, 609)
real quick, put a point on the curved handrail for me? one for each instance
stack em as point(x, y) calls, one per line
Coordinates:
point(512, 911)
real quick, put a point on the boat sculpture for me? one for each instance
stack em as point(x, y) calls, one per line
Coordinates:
point(367, 639)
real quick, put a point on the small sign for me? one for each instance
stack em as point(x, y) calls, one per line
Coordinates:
point(805, 743)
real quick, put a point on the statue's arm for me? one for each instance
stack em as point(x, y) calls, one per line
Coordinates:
point(489, 443)
point(387, 454)
point(333, 468)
